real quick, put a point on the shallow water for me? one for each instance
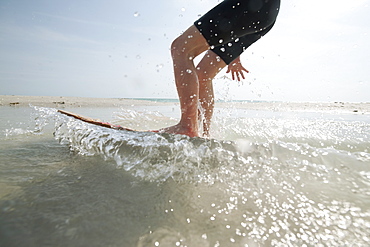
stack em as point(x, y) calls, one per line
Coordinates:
point(265, 179)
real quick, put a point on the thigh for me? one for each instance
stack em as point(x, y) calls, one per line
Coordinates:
point(209, 66)
point(191, 43)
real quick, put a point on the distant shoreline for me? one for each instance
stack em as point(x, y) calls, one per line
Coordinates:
point(65, 102)
point(62, 101)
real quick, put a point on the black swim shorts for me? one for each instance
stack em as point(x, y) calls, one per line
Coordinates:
point(233, 25)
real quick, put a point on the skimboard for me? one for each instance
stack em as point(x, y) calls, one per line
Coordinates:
point(99, 123)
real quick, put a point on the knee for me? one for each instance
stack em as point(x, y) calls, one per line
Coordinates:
point(203, 75)
point(208, 72)
point(178, 46)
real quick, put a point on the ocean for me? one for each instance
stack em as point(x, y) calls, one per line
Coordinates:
point(264, 178)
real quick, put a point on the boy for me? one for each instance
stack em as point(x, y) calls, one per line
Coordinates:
point(225, 32)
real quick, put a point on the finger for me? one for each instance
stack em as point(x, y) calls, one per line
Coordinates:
point(242, 74)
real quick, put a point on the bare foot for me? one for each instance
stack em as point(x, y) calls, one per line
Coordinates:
point(180, 130)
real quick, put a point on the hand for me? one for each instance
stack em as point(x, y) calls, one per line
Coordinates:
point(237, 70)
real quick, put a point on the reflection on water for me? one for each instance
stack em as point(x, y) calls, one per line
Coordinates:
point(261, 182)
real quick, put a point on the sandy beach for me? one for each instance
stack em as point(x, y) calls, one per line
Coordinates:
point(61, 102)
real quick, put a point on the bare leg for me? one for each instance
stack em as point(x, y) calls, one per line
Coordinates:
point(207, 69)
point(184, 49)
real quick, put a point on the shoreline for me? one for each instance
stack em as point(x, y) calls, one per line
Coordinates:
point(63, 102)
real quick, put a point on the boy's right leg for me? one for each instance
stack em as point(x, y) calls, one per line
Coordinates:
point(184, 49)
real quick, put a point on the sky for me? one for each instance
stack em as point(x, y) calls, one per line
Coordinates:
point(318, 50)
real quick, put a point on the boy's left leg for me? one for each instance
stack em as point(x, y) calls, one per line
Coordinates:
point(207, 69)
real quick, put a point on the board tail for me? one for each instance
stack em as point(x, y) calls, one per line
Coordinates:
point(94, 121)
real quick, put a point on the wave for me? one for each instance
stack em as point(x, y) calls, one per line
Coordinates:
point(254, 142)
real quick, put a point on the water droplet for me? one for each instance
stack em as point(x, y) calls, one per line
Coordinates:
point(136, 14)
point(189, 71)
point(220, 41)
point(159, 66)
point(183, 9)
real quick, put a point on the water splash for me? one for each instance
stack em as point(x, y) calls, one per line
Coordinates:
point(39, 119)
point(150, 156)
point(279, 181)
